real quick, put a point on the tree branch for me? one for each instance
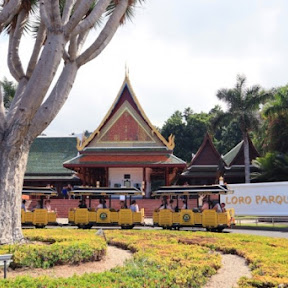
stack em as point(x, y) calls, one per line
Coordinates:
point(14, 61)
point(43, 74)
point(67, 11)
point(43, 14)
point(41, 36)
point(89, 21)
point(77, 16)
point(10, 9)
point(72, 50)
point(105, 35)
point(14, 106)
point(53, 9)
point(10, 61)
point(58, 96)
point(2, 112)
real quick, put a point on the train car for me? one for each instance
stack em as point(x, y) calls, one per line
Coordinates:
point(39, 216)
point(85, 216)
point(193, 214)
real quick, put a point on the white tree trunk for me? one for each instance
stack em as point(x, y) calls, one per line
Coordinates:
point(60, 39)
point(13, 159)
point(246, 158)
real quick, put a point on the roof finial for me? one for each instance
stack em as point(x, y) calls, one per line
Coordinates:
point(126, 70)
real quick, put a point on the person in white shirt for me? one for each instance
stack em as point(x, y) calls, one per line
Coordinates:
point(100, 205)
point(134, 206)
point(217, 208)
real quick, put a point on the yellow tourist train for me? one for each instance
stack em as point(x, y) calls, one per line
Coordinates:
point(40, 215)
point(191, 215)
point(86, 216)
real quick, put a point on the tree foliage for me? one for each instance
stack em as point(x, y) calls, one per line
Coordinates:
point(9, 89)
point(189, 129)
point(272, 167)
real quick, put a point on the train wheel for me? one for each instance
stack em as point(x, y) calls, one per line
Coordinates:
point(220, 229)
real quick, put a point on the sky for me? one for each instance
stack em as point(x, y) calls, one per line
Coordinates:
point(178, 56)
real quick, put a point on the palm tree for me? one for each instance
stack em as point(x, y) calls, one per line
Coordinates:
point(243, 106)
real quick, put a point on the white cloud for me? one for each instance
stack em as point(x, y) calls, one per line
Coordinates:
point(179, 57)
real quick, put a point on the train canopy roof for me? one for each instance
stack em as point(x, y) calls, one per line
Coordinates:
point(39, 191)
point(106, 191)
point(192, 190)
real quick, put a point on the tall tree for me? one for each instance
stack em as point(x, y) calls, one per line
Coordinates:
point(59, 46)
point(189, 129)
point(243, 106)
point(276, 112)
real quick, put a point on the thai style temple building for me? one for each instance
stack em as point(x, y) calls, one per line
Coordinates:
point(204, 166)
point(126, 149)
point(207, 165)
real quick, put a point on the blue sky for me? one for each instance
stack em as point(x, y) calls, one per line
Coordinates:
point(179, 57)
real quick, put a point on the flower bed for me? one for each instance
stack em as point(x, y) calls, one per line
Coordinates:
point(172, 259)
point(47, 248)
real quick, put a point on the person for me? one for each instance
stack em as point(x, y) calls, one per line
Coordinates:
point(185, 206)
point(64, 192)
point(123, 205)
point(48, 205)
point(23, 206)
point(100, 205)
point(134, 206)
point(82, 204)
point(217, 207)
point(38, 205)
point(164, 204)
point(205, 205)
point(223, 207)
point(69, 189)
point(170, 206)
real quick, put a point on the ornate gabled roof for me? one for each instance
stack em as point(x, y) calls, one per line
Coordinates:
point(126, 125)
point(47, 155)
point(236, 155)
point(206, 154)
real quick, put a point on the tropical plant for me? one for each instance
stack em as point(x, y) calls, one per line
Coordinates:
point(276, 112)
point(243, 106)
point(272, 167)
point(9, 89)
point(59, 51)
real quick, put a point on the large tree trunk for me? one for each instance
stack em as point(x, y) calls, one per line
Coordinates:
point(13, 159)
point(246, 158)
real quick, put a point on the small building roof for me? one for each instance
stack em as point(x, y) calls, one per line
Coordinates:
point(47, 155)
point(206, 154)
point(236, 155)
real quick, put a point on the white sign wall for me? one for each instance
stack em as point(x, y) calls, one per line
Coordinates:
point(259, 199)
